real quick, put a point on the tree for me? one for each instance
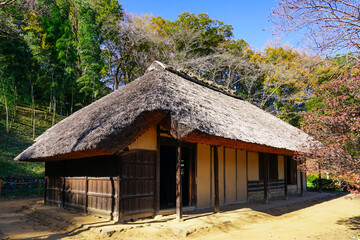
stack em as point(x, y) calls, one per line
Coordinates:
point(330, 25)
point(333, 119)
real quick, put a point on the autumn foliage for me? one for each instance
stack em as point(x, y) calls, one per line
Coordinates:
point(334, 120)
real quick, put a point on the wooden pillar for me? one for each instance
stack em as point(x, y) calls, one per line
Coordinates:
point(301, 182)
point(266, 177)
point(319, 184)
point(63, 186)
point(45, 186)
point(86, 193)
point(119, 198)
point(112, 198)
point(216, 180)
point(86, 187)
point(63, 193)
point(224, 174)
point(178, 184)
point(286, 179)
point(211, 176)
point(157, 172)
point(247, 177)
point(236, 177)
point(39, 187)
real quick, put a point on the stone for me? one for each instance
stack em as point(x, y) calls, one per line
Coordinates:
point(108, 233)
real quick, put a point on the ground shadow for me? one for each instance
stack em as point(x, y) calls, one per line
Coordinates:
point(352, 223)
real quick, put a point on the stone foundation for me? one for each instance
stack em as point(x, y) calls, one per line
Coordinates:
point(259, 195)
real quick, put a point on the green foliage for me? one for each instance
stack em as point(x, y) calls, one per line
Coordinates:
point(89, 50)
point(326, 184)
point(18, 139)
point(330, 185)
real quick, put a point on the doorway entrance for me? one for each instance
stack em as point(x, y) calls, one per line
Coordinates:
point(168, 175)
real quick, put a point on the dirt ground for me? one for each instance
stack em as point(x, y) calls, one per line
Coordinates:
point(331, 217)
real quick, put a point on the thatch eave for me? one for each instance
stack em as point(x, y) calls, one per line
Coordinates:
point(194, 112)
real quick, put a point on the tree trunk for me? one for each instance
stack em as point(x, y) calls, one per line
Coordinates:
point(7, 113)
point(33, 107)
point(54, 109)
point(72, 100)
point(14, 109)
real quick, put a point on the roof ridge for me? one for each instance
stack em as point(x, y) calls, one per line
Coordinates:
point(205, 83)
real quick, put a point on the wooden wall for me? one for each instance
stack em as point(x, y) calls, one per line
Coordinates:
point(92, 184)
point(203, 175)
point(232, 176)
point(238, 175)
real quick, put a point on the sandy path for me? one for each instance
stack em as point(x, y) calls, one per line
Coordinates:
point(336, 218)
point(15, 225)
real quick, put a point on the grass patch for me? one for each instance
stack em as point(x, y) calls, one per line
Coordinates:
point(18, 139)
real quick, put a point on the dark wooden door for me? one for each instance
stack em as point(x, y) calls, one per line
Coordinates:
point(137, 190)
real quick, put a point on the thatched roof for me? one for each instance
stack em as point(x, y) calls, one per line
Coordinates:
point(193, 112)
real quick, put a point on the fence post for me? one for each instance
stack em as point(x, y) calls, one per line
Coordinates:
point(39, 187)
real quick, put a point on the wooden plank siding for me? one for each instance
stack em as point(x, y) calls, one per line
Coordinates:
point(97, 190)
point(138, 184)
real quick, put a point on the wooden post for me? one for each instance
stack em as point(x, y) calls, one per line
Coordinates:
point(319, 184)
point(86, 193)
point(216, 180)
point(286, 179)
point(301, 183)
point(178, 184)
point(157, 172)
point(39, 187)
point(119, 199)
point(266, 176)
point(63, 193)
point(247, 177)
point(236, 177)
point(63, 187)
point(211, 176)
point(112, 198)
point(45, 186)
point(224, 174)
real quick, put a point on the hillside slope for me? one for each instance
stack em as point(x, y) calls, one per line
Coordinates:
point(18, 139)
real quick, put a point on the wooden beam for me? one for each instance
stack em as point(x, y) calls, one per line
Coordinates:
point(286, 196)
point(266, 177)
point(157, 172)
point(199, 137)
point(178, 184)
point(216, 180)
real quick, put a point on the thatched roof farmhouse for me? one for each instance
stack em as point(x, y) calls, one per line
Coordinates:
point(163, 108)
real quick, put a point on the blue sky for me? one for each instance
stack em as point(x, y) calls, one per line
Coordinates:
point(249, 18)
